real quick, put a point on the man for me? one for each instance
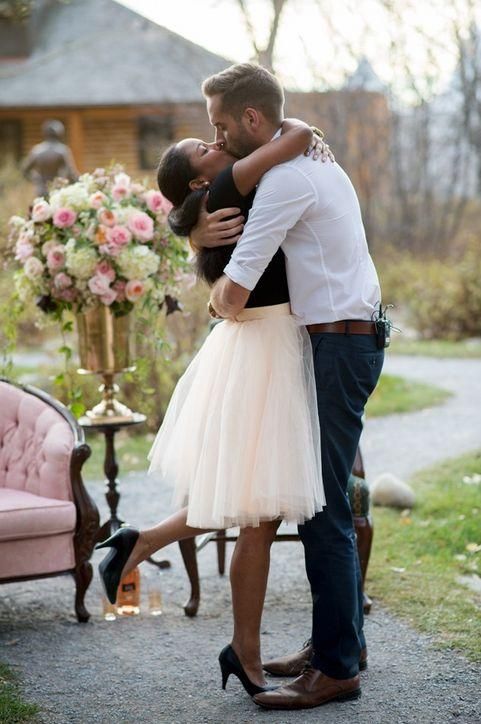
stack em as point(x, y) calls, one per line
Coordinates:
point(49, 159)
point(312, 212)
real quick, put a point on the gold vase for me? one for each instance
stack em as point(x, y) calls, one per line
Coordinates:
point(106, 347)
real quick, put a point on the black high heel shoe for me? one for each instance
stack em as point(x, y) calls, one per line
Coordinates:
point(122, 543)
point(230, 664)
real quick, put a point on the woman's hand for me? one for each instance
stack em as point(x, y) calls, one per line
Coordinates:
point(214, 230)
point(318, 148)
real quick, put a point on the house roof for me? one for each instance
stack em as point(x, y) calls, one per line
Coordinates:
point(100, 53)
point(365, 78)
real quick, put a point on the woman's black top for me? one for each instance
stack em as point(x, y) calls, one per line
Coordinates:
point(272, 286)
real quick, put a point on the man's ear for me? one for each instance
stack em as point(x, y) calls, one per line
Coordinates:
point(198, 183)
point(252, 118)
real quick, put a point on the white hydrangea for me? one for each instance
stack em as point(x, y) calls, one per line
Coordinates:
point(80, 263)
point(138, 262)
point(76, 196)
point(25, 289)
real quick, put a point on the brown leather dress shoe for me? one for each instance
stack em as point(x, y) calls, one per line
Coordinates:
point(312, 688)
point(293, 664)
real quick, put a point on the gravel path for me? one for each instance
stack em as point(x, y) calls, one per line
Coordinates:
point(163, 670)
point(403, 444)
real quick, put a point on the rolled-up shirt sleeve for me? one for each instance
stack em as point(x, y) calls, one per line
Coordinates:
point(282, 196)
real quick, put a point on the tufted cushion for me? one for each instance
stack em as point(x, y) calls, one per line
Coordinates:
point(24, 515)
point(35, 445)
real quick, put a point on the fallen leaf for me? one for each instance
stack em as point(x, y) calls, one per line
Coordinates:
point(473, 547)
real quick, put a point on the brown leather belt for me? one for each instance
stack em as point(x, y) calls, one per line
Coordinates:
point(345, 326)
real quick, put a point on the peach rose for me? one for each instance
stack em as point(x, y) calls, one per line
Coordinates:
point(107, 217)
point(64, 217)
point(134, 289)
point(97, 200)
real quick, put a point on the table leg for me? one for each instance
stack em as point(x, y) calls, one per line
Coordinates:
point(189, 555)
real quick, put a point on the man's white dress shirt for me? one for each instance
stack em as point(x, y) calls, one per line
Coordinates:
point(311, 210)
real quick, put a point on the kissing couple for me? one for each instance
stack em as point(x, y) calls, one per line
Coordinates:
point(265, 422)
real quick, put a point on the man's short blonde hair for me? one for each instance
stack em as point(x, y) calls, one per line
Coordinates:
point(247, 85)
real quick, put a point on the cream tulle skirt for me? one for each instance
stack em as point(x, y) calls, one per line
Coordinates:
point(240, 441)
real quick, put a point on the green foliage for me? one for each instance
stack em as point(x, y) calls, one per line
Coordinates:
point(396, 394)
point(13, 709)
point(419, 556)
point(441, 297)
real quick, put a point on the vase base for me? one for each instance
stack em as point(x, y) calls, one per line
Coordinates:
point(110, 410)
point(91, 420)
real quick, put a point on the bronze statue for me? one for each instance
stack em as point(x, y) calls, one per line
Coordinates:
point(49, 159)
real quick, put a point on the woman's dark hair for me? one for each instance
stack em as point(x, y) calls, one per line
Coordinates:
point(173, 175)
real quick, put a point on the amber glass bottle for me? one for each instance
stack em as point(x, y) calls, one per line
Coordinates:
point(128, 596)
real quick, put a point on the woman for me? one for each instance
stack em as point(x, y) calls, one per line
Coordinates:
point(240, 439)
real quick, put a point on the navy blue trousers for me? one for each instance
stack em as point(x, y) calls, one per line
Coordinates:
point(347, 368)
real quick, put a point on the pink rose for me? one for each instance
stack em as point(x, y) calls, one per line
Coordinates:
point(119, 287)
point(118, 235)
point(154, 200)
point(110, 249)
point(23, 250)
point(47, 246)
point(64, 217)
point(134, 289)
point(67, 295)
point(119, 192)
point(107, 217)
point(166, 205)
point(62, 281)
point(97, 200)
point(108, 297)
point(41, 211)
point(98, 284)
point(141, 225)
point(104, 269)
point(56, 258)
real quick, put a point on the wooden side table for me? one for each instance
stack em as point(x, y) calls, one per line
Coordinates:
point(111, 470)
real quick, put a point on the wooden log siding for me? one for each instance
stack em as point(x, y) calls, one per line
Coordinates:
point(98, 136)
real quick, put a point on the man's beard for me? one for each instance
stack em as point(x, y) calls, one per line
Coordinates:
point(242, 145)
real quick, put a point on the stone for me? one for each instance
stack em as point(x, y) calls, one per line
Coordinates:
point(390, 491)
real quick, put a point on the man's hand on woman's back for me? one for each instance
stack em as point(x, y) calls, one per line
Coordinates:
point(217, 228)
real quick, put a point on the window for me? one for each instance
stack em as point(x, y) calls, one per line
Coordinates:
point(10, 141)
point(154, 134)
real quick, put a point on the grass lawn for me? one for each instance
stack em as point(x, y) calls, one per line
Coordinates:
point(419, 556)
point(396, 394)
point(467, 348)
point(12, 708)
point(131, 452)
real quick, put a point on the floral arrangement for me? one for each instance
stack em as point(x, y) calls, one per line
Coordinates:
point(103, 240)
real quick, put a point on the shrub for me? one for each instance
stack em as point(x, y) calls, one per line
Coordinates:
point(440, 298)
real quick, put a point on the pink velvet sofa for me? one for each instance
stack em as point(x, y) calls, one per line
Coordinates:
point(48, 522)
